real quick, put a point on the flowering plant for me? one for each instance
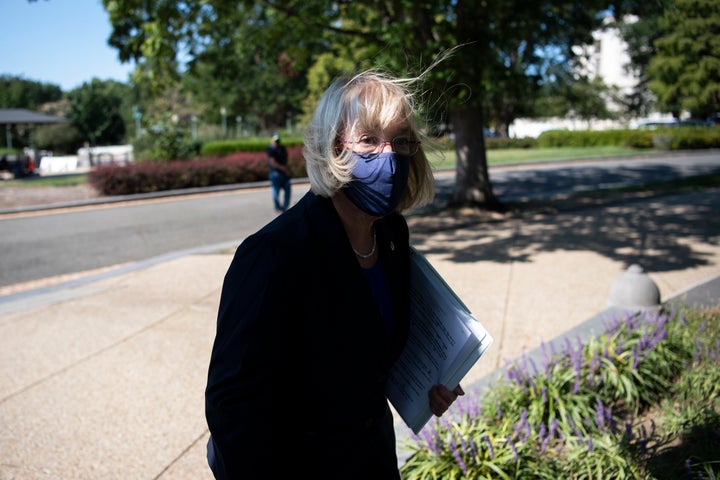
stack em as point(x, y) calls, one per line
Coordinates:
point(615, 406)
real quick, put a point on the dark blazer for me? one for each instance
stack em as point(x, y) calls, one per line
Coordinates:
point(300, 360)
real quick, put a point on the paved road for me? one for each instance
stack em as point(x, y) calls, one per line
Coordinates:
point(522, 183)
point(56, 243)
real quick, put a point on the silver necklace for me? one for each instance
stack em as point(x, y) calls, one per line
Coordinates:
point(372, 250)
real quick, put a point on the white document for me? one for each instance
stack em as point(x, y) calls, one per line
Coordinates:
point(445, 341)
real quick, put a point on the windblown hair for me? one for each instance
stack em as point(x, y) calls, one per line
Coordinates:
point(370, 101)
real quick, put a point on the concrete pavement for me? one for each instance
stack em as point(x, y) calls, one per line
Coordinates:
point(103, 377)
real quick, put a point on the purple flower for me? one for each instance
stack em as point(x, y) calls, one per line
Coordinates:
point(636, 357)
point(513, 374)
point(491, 450)
point(432, 439)
point(522, 423)
point(463, 443)
point(576, 386)
point(544, 443)
point(458, 457)
point(545, 359)
point(681, 318)
point(600, 414)
point(534, 368)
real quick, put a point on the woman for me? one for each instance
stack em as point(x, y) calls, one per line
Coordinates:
point(314, 307)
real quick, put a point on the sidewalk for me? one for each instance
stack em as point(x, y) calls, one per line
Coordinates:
point(104, 377)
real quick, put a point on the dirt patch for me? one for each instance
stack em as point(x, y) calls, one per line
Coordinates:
point(14, 197)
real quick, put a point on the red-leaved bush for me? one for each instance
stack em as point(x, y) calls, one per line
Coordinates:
point(145, 177)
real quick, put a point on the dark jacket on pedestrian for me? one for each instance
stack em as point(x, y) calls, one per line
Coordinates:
point(282, 390)
point(277, 158)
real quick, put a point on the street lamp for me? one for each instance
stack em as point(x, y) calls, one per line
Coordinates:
point(223, 117)
point(137, 115)
point(194, 121)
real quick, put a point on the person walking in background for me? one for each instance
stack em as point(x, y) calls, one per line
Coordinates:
point(279, 173)
point(314, 309)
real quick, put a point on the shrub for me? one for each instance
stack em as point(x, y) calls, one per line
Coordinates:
point(582, 138)
point(165, 144)
point(695, 137)
point(639, 139)
point(674, 138)
point(145, 177)
point(227, 147)
point(495, 143)
point(586, 410)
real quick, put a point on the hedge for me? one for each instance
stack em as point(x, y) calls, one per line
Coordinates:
point(146, 177)
point(672, 138)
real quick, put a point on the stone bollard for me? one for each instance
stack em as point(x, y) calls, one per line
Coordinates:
point(634, 290)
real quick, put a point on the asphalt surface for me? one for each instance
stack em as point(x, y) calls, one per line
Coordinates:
point(42, 241)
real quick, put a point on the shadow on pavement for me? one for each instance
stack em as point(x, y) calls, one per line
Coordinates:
point(643, 228)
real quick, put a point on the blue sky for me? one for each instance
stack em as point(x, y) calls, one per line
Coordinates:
point(63, 42)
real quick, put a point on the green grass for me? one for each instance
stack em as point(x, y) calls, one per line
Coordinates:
point(49, 181)
point(446, 158)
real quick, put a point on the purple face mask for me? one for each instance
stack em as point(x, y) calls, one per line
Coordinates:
point(379, 181)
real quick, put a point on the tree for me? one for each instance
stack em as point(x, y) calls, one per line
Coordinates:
point(251, 68)
point(96, 110)
point(60, 137)
point(504, 47)
point(576, 98)
point(639, 34)
point(17, 92)
point(685, 72)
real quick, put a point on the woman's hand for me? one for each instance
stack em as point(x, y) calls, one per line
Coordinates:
point(441, 398)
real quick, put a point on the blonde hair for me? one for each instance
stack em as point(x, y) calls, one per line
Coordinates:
point(367, 102)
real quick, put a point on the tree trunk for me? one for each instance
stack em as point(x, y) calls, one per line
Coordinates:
point(472, 182)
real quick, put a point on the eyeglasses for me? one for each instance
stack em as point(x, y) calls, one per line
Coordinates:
point(370, 144)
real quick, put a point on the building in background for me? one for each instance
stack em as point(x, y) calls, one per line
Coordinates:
point(606, 58)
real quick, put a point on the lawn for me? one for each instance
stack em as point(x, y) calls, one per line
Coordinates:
point(446, 159)
point(48, 181)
